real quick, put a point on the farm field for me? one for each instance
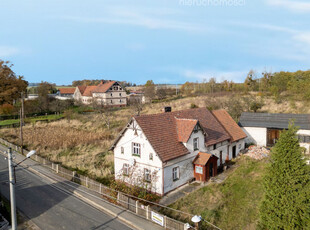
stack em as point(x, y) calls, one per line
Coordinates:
point(82, 142)
point(51, 117)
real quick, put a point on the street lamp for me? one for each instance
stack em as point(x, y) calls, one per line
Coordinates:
point(196, 219)
point(12, 181)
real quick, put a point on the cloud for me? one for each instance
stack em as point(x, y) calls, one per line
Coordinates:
point(155, 19)
point(303, 37)
point(236, 76)
point(8, 51)
point(296, 6)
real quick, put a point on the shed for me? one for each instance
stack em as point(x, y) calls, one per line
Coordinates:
point(205, 166)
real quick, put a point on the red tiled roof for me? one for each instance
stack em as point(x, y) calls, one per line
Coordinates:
point(185, 128)
point(66, 90)
point(82, 88)
point(161, 131)
point(103, 87)
point(202, 158)
point(230, 125)
point(89, 90)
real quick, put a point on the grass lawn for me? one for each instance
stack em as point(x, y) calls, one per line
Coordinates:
point(32, 119)
point(233, 204)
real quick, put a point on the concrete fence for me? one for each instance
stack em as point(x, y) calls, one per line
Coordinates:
point(134, 205)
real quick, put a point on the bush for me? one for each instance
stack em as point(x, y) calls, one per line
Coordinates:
point(6, 109)
point(193, 106)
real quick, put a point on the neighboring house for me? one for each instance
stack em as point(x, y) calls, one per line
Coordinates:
point(159, 149)
point(66, 92)
point(136, 97)
point(264, 128)
point(109, 93)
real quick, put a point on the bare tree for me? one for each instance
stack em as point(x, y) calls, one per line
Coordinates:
point(105, 112)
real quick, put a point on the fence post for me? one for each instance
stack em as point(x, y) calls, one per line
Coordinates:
point(36, 157)
point(44, 161)
point(52, 165)
point(137, 206)
point(57, 168)
point(118, 197)
point(100, 188)
point(86, 182)
point(147, 212)
point(165, 222)
point(73, 175)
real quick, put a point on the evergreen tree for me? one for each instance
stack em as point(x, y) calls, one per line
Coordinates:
point(286, 203)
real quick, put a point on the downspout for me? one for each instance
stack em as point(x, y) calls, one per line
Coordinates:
point(163, 179)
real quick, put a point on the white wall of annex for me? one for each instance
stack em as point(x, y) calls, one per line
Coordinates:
point(256, 135)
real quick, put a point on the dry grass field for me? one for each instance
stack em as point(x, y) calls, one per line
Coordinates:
point(83, 142)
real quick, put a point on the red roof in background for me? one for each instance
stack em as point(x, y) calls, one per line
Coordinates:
point(100, 88)
point(185, 128)
point(161, 130)
point(82, 88)
point(66, 90)
point(229, 124)
point(88, 90)
point(104, 87)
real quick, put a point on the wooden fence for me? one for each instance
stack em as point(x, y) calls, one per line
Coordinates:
point(129, 203)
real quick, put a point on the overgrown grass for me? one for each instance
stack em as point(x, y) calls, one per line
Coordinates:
point(51, 117)
point(233, 204)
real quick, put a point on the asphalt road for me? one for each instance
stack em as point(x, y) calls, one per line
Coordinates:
point(50, 207)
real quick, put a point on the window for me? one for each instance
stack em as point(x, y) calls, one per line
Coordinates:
point(303, 139)
point(196, 143)
point(126, 169)
point(199, 169)
point(120, 94)
point(214, 146)
point(196, 129)
point(122, 150)
point(151, 156)
point(120, 100)
point(175, 173)
point(221, 157)
point(111, 94)
point(111, 102)
point(136, 149)
point(147, 175)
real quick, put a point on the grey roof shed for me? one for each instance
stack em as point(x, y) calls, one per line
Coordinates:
point(274, 120)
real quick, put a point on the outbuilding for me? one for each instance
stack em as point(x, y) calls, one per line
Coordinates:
point(205, 166)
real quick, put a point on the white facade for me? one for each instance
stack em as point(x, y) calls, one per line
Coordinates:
point(162, 180)
point(256, 135)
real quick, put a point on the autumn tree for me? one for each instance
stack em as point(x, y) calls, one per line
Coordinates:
point(251, 82)
point(149, 89)
point(286, 203)
point(11, 85)
point(187, 88)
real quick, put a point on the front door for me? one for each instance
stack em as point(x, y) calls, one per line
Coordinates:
point(211, 170)
point(234, 152)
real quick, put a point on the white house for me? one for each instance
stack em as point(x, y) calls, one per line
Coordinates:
point(109, 93)
point(157, 151)
point(264, 128)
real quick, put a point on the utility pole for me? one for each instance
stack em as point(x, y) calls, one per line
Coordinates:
point(12, 190)
point(22, 123)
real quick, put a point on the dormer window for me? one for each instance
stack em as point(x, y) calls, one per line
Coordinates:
point(196, 143)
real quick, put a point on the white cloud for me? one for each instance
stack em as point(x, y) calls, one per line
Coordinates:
point(155, 19)
point(8, 51)
point(303, 37)
point(236, 76)
point(297, 6)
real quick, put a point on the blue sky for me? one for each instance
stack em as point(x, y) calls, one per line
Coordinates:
point(168, 41)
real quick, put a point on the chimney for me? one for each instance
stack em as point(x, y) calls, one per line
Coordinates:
point(167, 109)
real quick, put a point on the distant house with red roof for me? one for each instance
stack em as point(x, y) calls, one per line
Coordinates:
point(109, 93)
point(164, 151)
point(66, 92)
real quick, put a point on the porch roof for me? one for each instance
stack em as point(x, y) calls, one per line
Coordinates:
point(202, 158)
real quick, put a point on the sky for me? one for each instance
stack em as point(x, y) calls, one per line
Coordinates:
point(168, 41)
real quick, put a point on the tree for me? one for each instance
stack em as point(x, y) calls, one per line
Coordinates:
point(161, 93)
point(250, 82)
point(187, 88)
point(11, 85)
point(44, 89)
point(149, 89)
point(286, 203)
